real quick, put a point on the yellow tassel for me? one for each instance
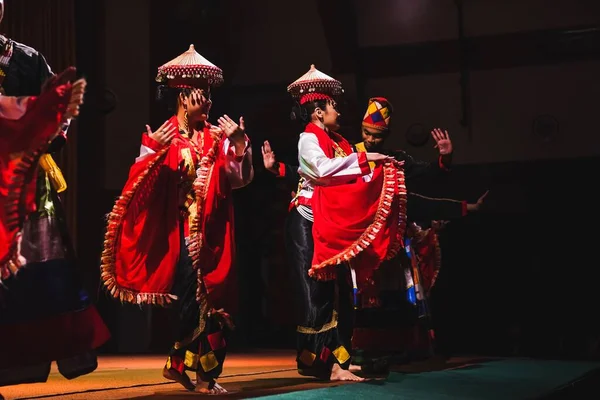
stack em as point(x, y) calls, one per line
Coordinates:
point(57, 180)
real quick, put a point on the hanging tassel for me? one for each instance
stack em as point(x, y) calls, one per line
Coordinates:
point(57, 180)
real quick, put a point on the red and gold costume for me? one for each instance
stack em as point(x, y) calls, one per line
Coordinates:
point(169, 238)
point(343, 212)
point(45, 315)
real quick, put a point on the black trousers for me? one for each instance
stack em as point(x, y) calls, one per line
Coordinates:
point(319, 344)
point(200, 350)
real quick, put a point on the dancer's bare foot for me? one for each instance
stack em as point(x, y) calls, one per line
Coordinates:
point(211, 387)
point(339, 374)
point(182, 379)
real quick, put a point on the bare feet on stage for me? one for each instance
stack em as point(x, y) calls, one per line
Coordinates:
point(339, 374)
point(182, 379)
point(211, 387)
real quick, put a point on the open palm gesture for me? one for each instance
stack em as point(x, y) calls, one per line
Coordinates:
point(268, 155)
point(442, 141)
point(232, 130)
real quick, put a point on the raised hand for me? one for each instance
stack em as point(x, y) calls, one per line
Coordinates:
point(438, 225)
point(442, 141)
point(232, 130)
point(478, 204)
point(268, 155)
point(68, 75)
point(76, 99)
point(480, 199)
point(164, 134)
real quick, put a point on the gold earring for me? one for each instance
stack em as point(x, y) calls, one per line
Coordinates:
point(186, 128)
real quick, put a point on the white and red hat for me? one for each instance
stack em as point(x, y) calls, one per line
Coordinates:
point(189, 70)
point(315, 85)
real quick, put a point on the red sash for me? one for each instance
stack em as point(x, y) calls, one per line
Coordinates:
point(359, 222)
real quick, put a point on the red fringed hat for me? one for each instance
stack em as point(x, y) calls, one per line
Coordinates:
point(188, 69)
point(314, 85)
point(379, 112)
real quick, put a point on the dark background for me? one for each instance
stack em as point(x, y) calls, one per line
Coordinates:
point(518, 278)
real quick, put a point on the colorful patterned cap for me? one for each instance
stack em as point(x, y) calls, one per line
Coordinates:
point(188, 70)
point(314, 85)
point(379, 112)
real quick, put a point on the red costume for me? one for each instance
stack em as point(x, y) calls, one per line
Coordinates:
point(169, 237)
point(343, 212)
point(40, 320)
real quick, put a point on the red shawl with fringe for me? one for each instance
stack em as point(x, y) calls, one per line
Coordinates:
point(21, 142)
point(426, 245)
point(142, 240)
point(361, 222)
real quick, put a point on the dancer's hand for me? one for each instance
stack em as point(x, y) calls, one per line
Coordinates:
point(378, 157)
point(233, 131)
point(77, 92)
point(68, 75)
point(269, 159)
point(164, 134)
point(442, 141)
point(477, 206)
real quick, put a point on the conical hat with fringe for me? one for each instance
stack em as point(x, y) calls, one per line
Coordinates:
point(314, 85)
point(188, 70)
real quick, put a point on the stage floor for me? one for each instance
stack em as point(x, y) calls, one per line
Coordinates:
point(267, 372)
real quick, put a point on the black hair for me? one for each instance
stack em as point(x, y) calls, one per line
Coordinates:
point(170, 95)
point(303, 112)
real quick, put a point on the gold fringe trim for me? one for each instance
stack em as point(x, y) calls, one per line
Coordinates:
point(196, 239)
point(113, 230)
point(14, 207)
point(419, 234)
point(438, 258)
point(438, 261)
point(327, 327)
point(393, 186)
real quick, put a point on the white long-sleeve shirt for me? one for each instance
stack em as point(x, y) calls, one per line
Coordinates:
point(317, 169)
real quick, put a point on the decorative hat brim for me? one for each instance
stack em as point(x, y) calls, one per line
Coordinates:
point(189, 73)
point(327, 86)
point(374, 126)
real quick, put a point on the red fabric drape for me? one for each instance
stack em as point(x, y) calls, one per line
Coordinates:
point(20, 141)
point(143, 238)
point(362, 222)
point(49, 27)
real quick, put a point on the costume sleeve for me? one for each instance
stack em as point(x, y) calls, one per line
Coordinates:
point(44, 72)
point(288, 172)
point(315, 165)
point(445, 162)
point(416, 168)
point(149, 146)
point(239, 169)
point(423, 208)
